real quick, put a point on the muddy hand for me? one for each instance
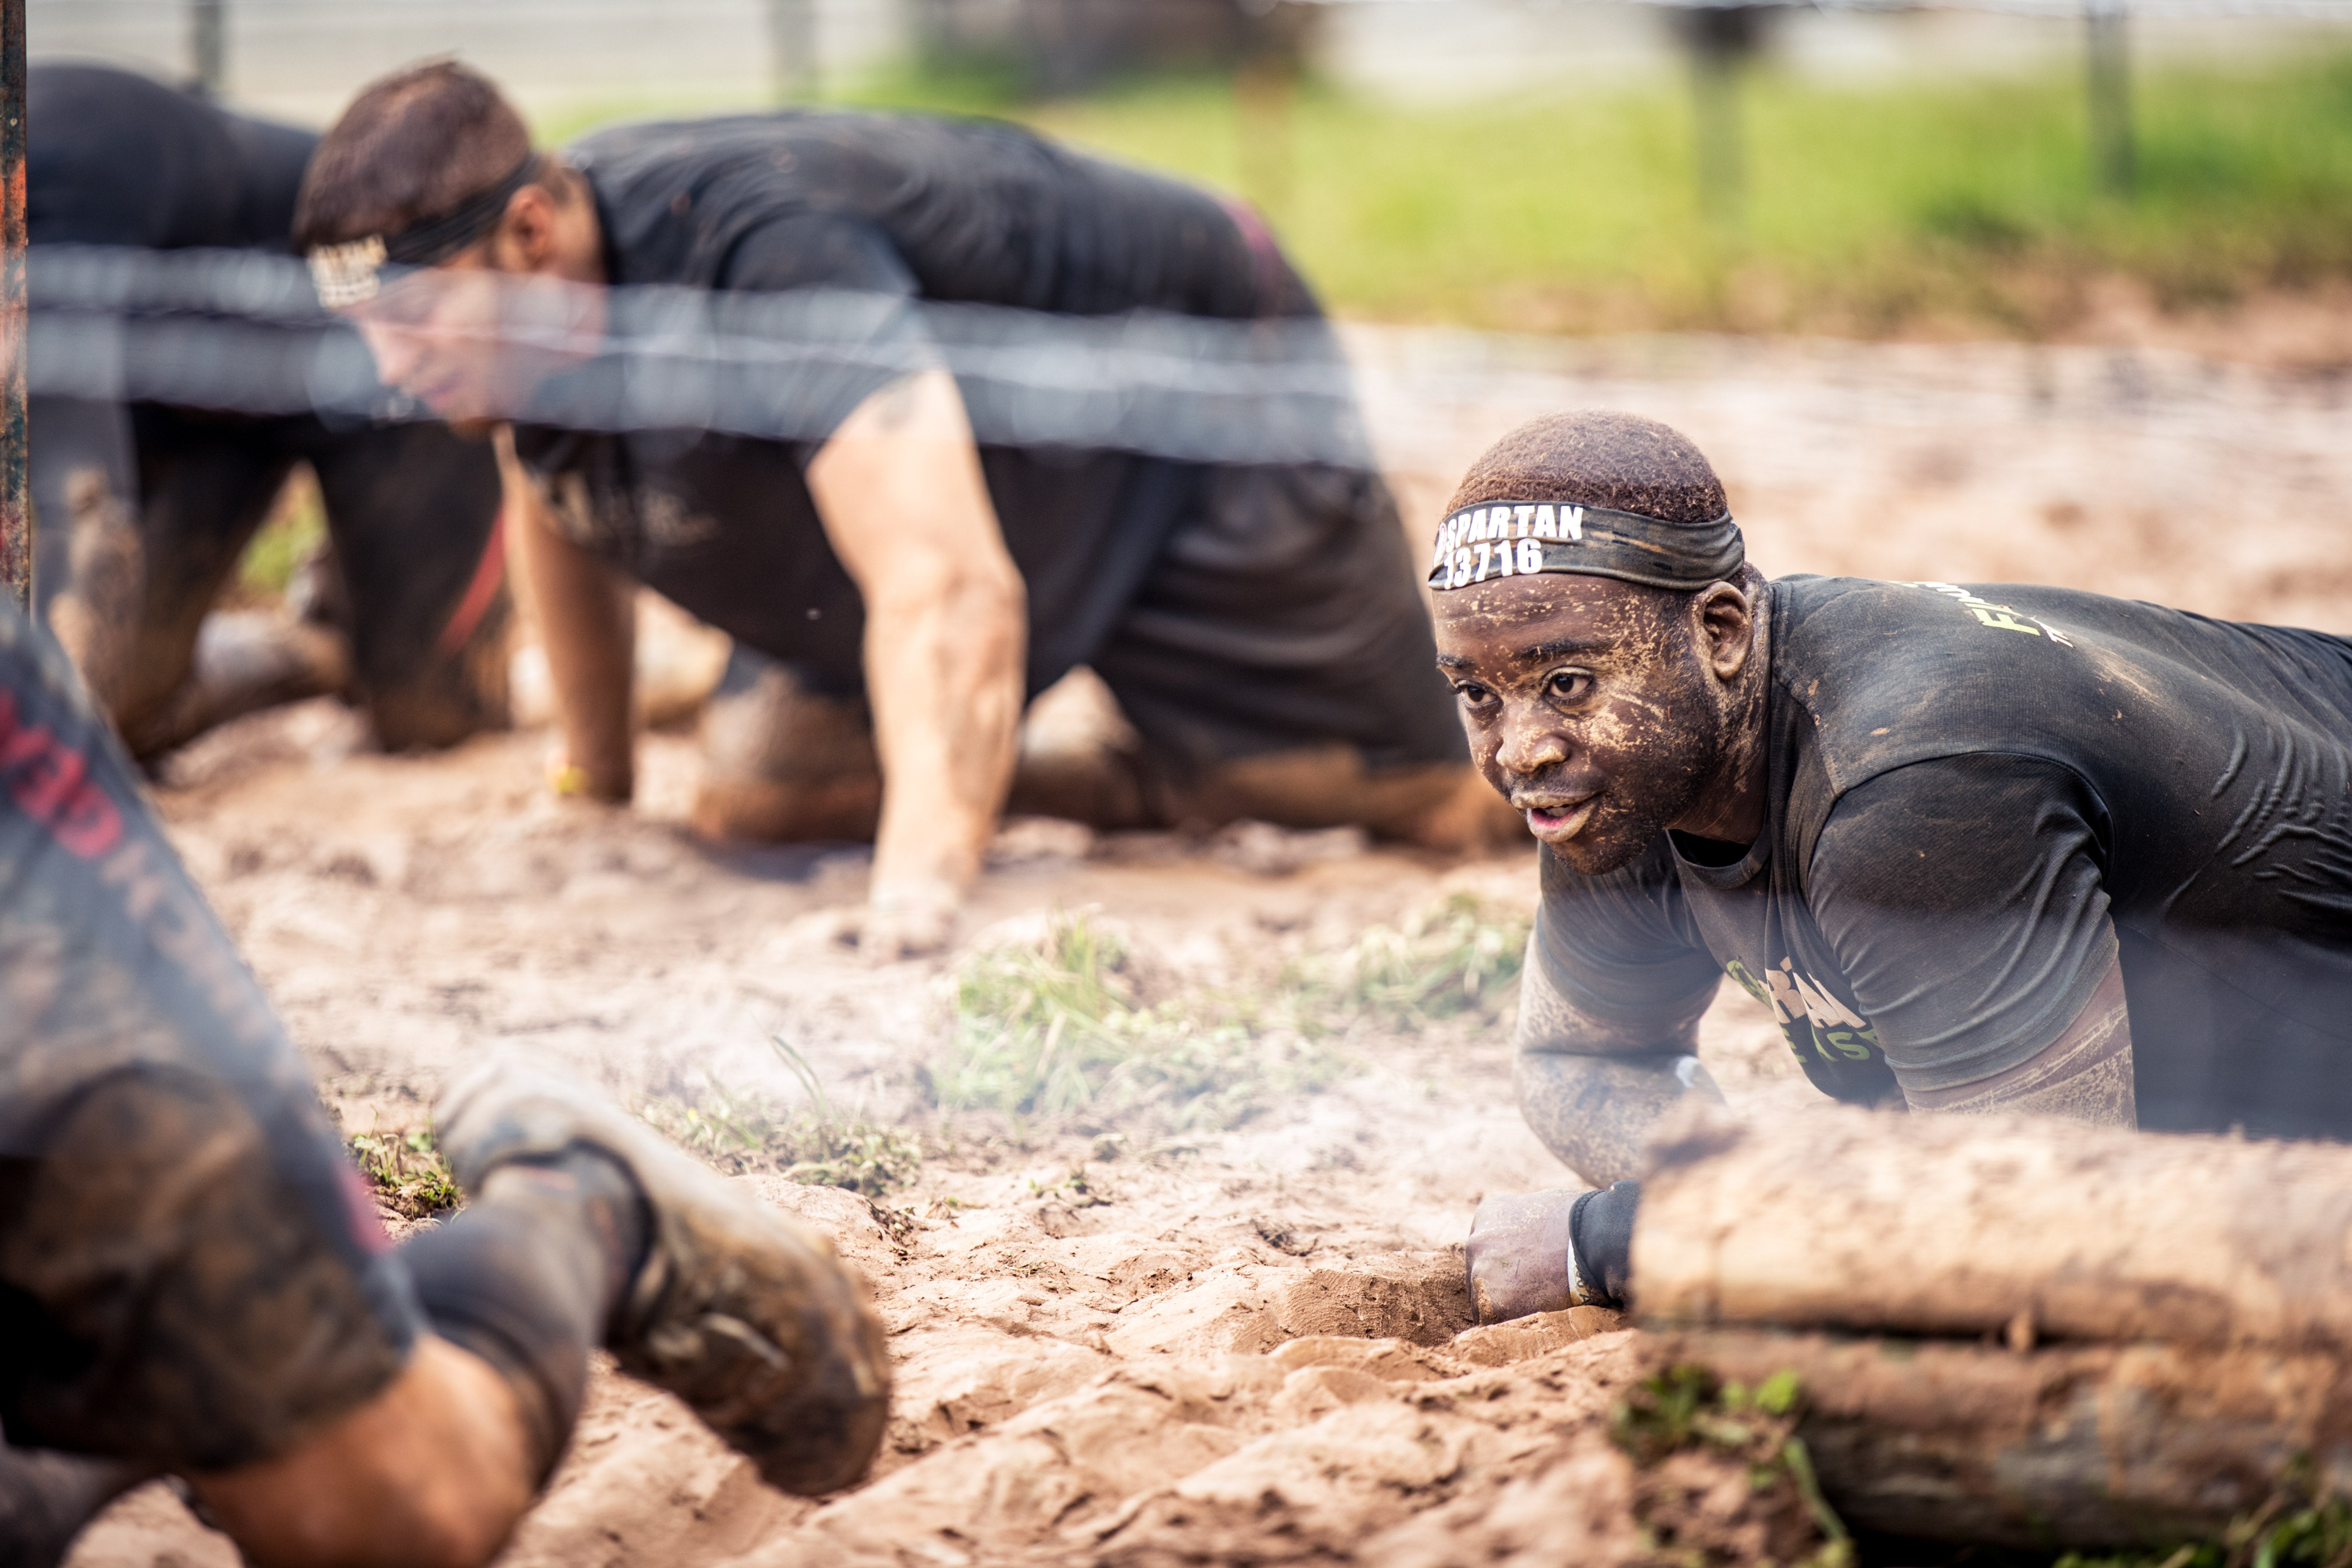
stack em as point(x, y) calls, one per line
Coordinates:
point(910, 919)
point(1521, 1256)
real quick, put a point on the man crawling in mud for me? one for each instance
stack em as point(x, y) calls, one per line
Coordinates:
point(193, 1280)
point(897, 591)
point(1977, 848)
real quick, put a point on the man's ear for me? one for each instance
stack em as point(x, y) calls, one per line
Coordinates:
point(525, 240)
point(1725, 626)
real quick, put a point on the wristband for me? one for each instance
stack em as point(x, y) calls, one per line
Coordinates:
point(568, 779)
point(1601, 1245)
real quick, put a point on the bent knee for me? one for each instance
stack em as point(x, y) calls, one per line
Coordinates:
point(783, 763)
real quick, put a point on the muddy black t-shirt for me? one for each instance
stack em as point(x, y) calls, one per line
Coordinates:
point(1981, 795)
point(894, 208)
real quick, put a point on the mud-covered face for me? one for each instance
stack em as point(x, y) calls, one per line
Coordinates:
point(1590, 705)
point(470, 341)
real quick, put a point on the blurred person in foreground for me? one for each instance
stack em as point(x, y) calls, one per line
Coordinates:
point(146, 509)
point(897, 591)
point(194, 1280)
point(1977, 848)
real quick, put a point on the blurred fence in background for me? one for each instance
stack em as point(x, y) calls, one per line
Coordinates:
point(1989, 461)
point(301, 59)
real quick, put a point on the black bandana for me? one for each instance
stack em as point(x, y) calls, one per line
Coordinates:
point(1508, 539)
point(347, 274)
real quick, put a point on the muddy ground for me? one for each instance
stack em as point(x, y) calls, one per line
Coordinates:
point(1240, 1344)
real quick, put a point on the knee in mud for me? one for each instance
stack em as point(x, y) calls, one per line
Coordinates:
point(781, 761)
point(457, 695)
point(95, 614)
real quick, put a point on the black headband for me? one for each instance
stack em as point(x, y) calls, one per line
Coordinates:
point(1506, 538)
point(346, 274)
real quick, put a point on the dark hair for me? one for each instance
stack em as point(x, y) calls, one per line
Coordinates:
point(413, 145)
point(1598, 457)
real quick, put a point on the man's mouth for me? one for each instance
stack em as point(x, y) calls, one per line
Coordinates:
point(1557, 821)
point(442, 395)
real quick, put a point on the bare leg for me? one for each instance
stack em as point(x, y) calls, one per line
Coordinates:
point(783, 763)
point(92, 570)
point(414, 511)
point(1437, 805)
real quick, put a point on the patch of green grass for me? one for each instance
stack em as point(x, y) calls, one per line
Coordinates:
point(1685, 1409)
point(295, 527)
point(408, 1172)
point(1688, 1404)
point(1055, 1030)
point(1866, 206)
point(1456, 956)
point(1076, 1189)
point(2291, 1531)
point(740, 1133)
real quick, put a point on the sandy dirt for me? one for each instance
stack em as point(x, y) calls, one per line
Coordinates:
point(1248, 1344)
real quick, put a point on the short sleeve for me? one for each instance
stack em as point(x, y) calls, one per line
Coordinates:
point(1621, 947)
point(857, 321)
point(1965, 899)
point(814, 249)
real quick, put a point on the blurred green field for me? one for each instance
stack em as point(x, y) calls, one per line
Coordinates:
point(1867, 210)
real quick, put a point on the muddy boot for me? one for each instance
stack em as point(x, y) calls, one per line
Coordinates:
point(47, 1498)
point(737, 1309)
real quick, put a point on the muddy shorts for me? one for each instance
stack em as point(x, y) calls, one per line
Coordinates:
point(1248, 610)
point(191, 1272)
point(1282, 612)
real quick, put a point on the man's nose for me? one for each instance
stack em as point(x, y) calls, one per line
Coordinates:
point(1532, 742)
point(397, 355)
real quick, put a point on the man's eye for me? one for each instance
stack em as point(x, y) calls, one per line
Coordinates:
point(1567, 686)
point(1472, 693)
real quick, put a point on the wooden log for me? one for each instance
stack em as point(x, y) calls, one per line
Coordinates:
point(2088, 1446)
point(1965, 1225)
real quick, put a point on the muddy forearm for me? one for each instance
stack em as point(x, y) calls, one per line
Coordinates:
point(1597, 1112)
point(587, 625)
point(1593, 1091)
point(907, 511)
point(945, 676)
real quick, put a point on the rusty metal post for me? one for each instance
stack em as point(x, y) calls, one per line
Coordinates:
point(15, 513)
